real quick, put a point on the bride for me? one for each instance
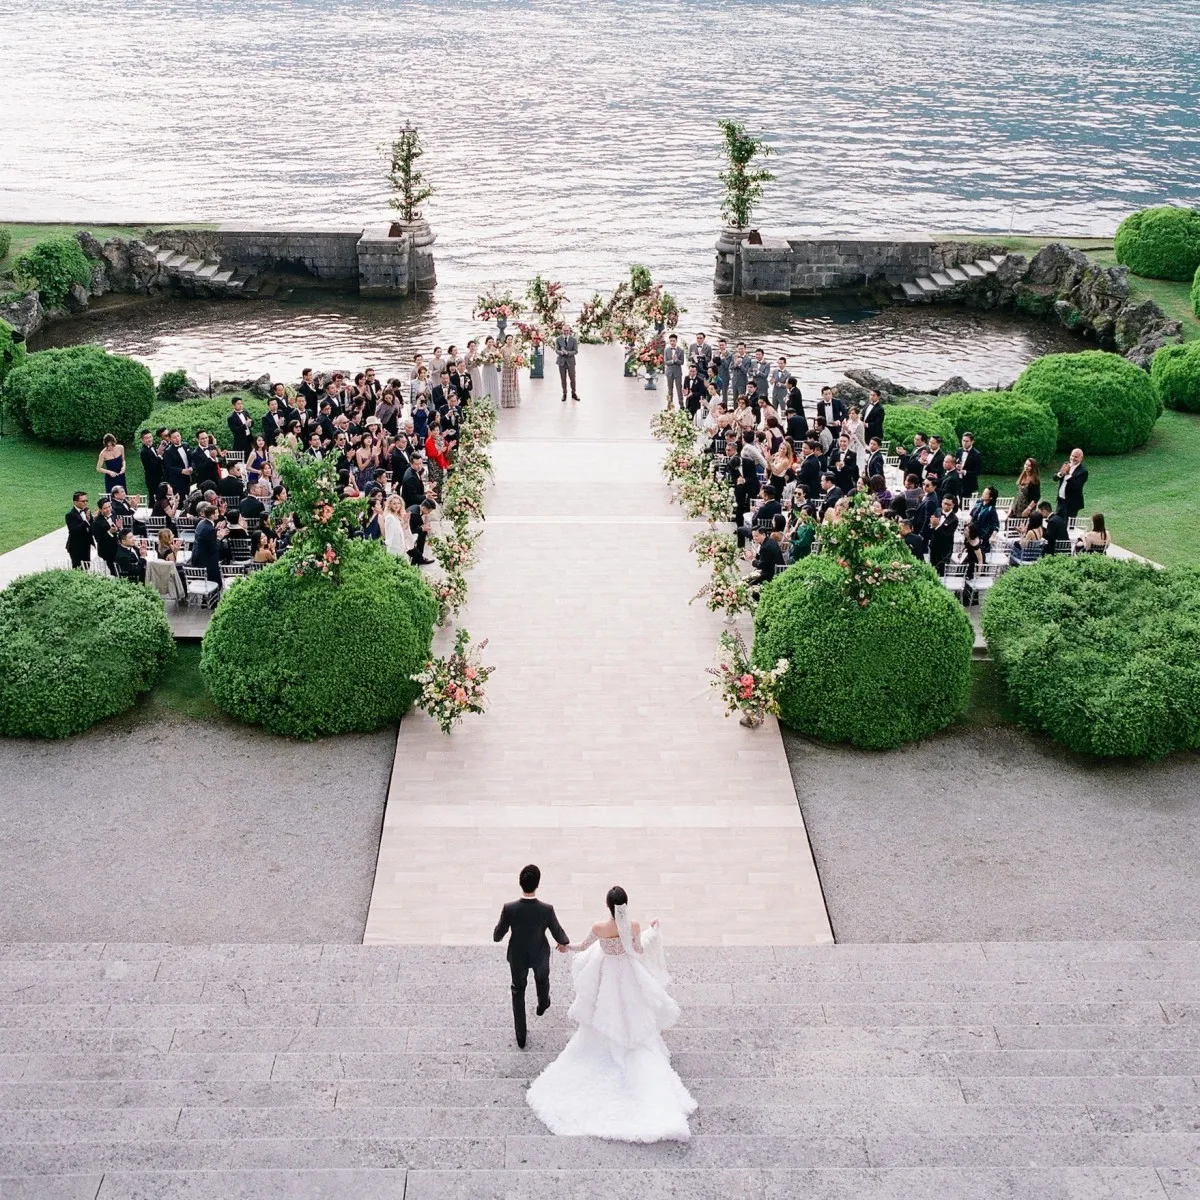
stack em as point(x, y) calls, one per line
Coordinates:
point(614, 1078)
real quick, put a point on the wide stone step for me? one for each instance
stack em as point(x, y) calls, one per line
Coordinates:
point(972, 270)
point(941, 279)
point(208, 270)
point(927, 286)
point(956, 274)
point(174, 260)
point(222, 276)
point(190, 267)
point(912, 291)
point(987, 265)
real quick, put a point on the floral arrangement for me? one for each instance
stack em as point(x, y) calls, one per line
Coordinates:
point(547, 299)
point(648, 356)
point(674, 426)
point(534, 334)
point(317, 563)
point(660, 308)
point(704, 498)
point(866, 546)
point(451, 593)
point(744, 687)
point(490, 356)
point(726, 592)
point(489, 306)
point(718, 550)
point(463, 499)
point(453, 686)
point(325, 520)
point(519, 355)
point(454, 553)
point(683, 464)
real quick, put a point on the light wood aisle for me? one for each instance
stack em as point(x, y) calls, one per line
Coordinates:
point(604, 756)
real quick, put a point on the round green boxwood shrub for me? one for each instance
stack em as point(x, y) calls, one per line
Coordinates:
point(76, 648)
point(12, 351)
point(190, 416)
point(1160, 243)
point(1008, 429)
point(1104, 404)
point(56, 264)
point(901, 421)
point(287, 651)
point(79, 394)
point(1101, 653)
point(1175, 373)
point(167, 389)
point(853, 676)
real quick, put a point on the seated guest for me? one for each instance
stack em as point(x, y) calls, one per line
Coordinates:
point(973, 553)
point(913, 540)
point(1096, 540)
point(237, 537)
point(262, 548)
point(898, 509)
point(233, 485)
point(985, 519)
point(830, 495)
point(165, 506)
point(1030, 545)
point(769, 560)
point(168, 546)
point(130, 560)
point(803, 534)
point(254, 505)
point(1058, 536)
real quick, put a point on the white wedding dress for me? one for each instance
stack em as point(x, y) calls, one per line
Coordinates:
point(614, 1078)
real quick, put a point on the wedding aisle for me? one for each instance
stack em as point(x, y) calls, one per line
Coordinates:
point(604, 756)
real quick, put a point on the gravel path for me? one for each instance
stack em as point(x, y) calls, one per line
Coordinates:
point(992, 835)
point(176, 830)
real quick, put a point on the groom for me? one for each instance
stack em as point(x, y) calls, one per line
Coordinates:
point(566, 346)
point(528, 919)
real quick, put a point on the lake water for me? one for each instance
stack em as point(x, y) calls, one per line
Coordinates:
point(574, 139)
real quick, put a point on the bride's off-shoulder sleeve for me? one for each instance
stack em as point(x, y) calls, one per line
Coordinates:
point(587, 941)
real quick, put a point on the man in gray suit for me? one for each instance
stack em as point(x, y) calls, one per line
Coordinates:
point(566, 346)
point(739, 368)
point(673, 359)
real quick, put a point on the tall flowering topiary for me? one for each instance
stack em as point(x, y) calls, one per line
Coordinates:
point(404, 177)
point(743, 186)
point(323, 518)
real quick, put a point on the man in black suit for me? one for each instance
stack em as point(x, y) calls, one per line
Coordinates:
point(797, 422)
point(205, 466)
point(418, 526)
point(79, 531)
point(129, 562)
point(253, 506)
point(694, 390)
point(872, 416)
point(233, 485)
point(439, 394)
point(875, 459)
point(914, 463)
point(941, 542)
point(177, 465)
point(527, 921)
point(936, 466)
point(769, 561)
point(843, 464)
point(929, 505)
point(152, 465)
point(913, 540)
point(206, 552)
point(969, 464)
point(832, 410)
point(398, 459)
point(951, 483)
point(240, 424)
point(1070, 480)
point(1055, 529)
point(273, 423)
point(830, 495)
point(104, 534)
point(810, 468)
point(412, 487)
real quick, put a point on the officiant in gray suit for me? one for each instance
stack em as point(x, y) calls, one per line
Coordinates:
point(674, 356)
point(566, 347)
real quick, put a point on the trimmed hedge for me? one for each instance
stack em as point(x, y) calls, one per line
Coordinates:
point(12, 351)
point(57, 263)
point(1104, 404)
point(190, 416)
point(5, 241)
point(286, 651)
point(901, 421)
point(79, 394)
point(853, 675)
point(1160, 243)
point(1100, 653)
point(76, 648)
point(167, 390)
point(1008, 429)
point(1175, 373)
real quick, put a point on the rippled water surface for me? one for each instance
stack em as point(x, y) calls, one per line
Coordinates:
point(575, 138)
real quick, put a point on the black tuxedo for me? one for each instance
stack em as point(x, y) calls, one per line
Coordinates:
point(129, 564)
point(970, 464)
point(412, 488)
point(873, 420)
point(844, 469)
point(875, 464)
point(770, 560)
point(175, 462)
point(272, 427)
point(79, 536)
point(936, 466)
point(920, 518)
point(205, 551)
point(810, 475)
point(797, 426)
point(204, 468)
point(828, 500)
point(527, 922)
point(105, 537)
point(253, 508)
point(1056, 531)
point(398, 464)
point(239, 427)
point(911, 464)
point(941, 546)
point(1070, 499)
point(152, 468)
point(952, 485)
point(834, 413)
point(916, 543)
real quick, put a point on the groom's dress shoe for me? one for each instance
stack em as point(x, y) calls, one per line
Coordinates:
point(520, 1042)
point(541, 1008)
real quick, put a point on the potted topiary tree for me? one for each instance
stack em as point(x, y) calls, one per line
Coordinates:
point(410, 190)
point(743, 189)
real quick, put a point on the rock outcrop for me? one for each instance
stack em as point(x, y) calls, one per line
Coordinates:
point(24, 313)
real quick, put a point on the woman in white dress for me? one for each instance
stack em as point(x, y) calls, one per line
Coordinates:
point(614, 1078)
point(510, 384)
point(393, 526)
point(473, 365)
point(490, 374)
point(856, 431)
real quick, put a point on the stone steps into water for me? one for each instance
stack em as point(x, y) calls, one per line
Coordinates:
point(1015, 1070)
point(935, 283)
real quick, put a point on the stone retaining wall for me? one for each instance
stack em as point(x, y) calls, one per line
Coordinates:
point(330, 254)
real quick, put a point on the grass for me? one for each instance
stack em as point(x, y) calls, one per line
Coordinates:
point(989, 704)
point(181, 691)
point(26, 235)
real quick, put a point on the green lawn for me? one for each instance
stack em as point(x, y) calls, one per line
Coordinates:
point(36, 482)
point(1146, 496)
point(26, 235)
point(989, 704)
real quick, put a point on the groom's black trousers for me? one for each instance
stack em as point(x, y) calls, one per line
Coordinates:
point(520, 977)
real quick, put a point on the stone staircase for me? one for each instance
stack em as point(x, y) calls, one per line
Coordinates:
point(958, 1071)
point(939, 284)
point(206, 276)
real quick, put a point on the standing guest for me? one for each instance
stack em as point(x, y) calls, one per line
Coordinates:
point(510, 382)
point(152, 464)
point(395, 540)
point(936, 466)
point(436, 457)
point(307, 388)
point(240, 423)
point(809, 475)
point(951, 483)
point(843, 465)
point(779, 380)
point(79, 531)
point(129, 562)
point(491, 373)
point(795, 402)
point(854, 428)
point(913, 493)
point(832, 410)
point(969, 464)
point(695, 389)
point(830, 495)
point(700, 356)
point(104, 534)
point(1071, 478)
point(418, 389)
point(439, 394)
point(388, 412)
point(412, 486)
point(722, 367)
point(111, 463)
point(466, 382)
point(274, 423)
point(475, 368)
point(205, 468)
point(206, 553)
point(1029, 489)
point(872, 416)
point(984, 518)
point(257, 461)
point(566, 347)
point(917, 460)
point(941, 540)
point(738, 371)
point(397, 462)
point(875, 458)
point(929, 505)
point(1096, 540)
point(418, 526)
point(437, 364)
point(674, 358)
point(760, 372)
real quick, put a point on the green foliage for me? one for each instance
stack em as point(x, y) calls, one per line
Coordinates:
point(1008, 429)
point(1175, 373)
point(901, 421)
point(858, 674)
point(5, 242)
point(12, 351)
point(743, 187)
point(170, 383)
point(1104, 404)
point(190, 416)
point(1101, 654)
point(1160, 243)
point(323, 518)
point(403, 176)
point(76, 648)
point(1195, 296)
point(79, 394)
point(56, 264)
point(305, 656)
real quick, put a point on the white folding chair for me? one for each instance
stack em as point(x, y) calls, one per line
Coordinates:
point(201, 591)
point(955, 578)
